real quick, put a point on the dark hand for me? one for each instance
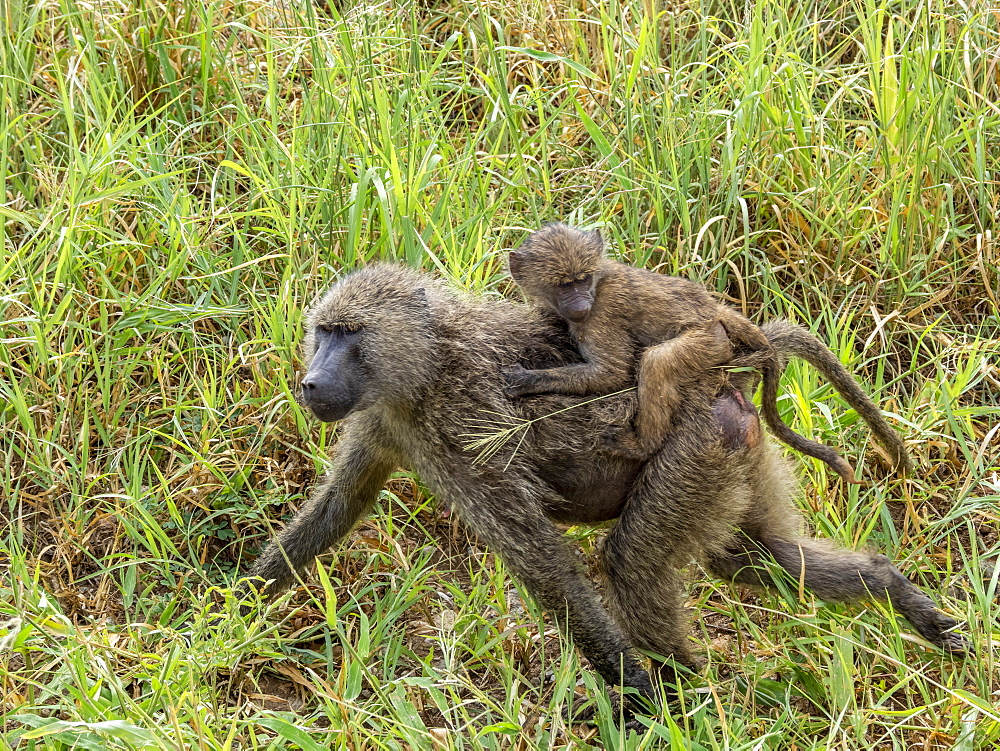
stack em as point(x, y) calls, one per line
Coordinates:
point(516, 380)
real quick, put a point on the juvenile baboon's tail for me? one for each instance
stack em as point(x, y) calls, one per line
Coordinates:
point(790, 340)
point(760, 353)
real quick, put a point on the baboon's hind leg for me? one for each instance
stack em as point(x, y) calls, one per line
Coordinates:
point(666, 370)
point(687, 500)
point(840, 575)
point(645, 595)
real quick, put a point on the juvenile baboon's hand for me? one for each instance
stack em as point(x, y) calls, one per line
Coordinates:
point(517, 380)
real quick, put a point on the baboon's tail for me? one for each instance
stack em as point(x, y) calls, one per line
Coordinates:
point(790, 340)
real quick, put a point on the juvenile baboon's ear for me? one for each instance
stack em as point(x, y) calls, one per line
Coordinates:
point(599, 237)
point(515, 262)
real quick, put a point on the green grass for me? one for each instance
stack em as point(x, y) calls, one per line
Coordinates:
point(182, 177)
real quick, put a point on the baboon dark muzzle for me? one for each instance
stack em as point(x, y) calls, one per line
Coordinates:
point(326, 411)
point(335, 380)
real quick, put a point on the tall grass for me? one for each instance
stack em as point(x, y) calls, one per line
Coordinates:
point(182, 177)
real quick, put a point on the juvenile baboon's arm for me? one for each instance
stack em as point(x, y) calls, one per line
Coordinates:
point(610, 366)
point(360, 468)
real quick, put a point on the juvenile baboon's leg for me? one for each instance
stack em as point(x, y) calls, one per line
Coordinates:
point(664, 372)
point(360, 468)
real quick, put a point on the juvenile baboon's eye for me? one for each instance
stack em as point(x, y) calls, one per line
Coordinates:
point(583, 279)
point(565, 285)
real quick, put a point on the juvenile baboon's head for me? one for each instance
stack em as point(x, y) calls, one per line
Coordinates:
point(560, 266)
point(367, 339)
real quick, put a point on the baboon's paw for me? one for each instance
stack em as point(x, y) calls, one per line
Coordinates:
point(957, 645)
point(584, 711)
point(516, 379)
point(622, 442)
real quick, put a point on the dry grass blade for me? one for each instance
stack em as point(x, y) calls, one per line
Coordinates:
point(497, 431)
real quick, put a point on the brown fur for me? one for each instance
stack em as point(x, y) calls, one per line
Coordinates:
point(412, 367)
point(686, 339)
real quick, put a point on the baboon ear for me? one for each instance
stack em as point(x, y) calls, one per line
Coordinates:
point(420, 297)
point(515, 262)
point(599, 237)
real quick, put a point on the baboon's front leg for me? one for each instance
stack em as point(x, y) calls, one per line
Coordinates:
point(508, 518)
point(360, 468)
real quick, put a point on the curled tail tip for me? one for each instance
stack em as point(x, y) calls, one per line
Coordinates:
point(904, 464)
point(846, 471)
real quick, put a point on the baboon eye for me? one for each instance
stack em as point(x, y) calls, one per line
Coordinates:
point(339, 328)
point(565, 285)
point(583, 279)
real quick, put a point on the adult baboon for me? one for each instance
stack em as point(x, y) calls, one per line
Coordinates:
point(616, 311)
point(410, 366)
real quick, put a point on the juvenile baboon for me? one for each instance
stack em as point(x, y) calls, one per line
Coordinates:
point(409, 366)
point(616, 311)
